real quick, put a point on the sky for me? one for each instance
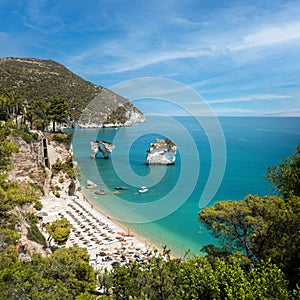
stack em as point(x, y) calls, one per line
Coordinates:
point(242, 57)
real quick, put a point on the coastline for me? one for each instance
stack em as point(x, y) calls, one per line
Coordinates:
point(138, 237)
point(106, 240)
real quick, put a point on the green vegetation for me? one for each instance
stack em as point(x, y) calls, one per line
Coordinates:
point(27, 86)
point(257, 256)
point(58, 111)
point(264, 228)
point(65, 275)
point(38, 205)
point(117, 116)
point(195, 278)
point(59, 230)
point(41, 80)
point(62, 138)
point(286, 177)
point(35, 235)
point(67, 167)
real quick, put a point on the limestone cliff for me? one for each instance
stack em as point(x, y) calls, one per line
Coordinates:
point(44, 163)
point(109, 110)
point(163, 152)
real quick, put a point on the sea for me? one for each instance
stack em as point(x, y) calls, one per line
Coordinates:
point(225, 159)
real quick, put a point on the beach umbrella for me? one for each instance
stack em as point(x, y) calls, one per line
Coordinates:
point(118, 259)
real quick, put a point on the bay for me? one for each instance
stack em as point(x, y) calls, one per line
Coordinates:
point(252, 144)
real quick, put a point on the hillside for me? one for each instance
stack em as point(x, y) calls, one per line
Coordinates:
point(33, 79)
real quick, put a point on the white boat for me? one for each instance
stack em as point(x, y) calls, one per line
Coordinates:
point(143, 189)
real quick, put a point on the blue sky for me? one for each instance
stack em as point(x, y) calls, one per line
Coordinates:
point(243, 57)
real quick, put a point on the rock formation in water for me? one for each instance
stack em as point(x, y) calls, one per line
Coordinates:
point(163, 152)
point(103, 146)
point(90, 184)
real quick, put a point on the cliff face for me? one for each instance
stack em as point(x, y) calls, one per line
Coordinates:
point(109, 110)
point(163, 152)
point(95, 106)
point(36, 163)
point(28, 161)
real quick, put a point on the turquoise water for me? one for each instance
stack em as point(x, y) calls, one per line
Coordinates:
point(252, 144)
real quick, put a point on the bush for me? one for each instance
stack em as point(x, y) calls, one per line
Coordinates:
point(33, 219)
point(25, 134)
point(38, 205)
point(35, 235)
point(65, 138)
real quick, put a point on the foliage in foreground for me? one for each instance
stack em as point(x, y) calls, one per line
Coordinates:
point(262, 228)
point(66, 274)
point(195, 278)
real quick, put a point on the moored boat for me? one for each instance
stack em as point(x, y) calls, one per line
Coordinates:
point(121, 188)
point(100, 192)
point(143, 189)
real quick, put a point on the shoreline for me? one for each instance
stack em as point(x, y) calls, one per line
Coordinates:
point(140, 238)
point(104, 238)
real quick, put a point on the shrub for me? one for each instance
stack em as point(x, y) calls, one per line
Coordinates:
point(33, 219)
point(65, 138)
point(38, 205)
point(35, 235)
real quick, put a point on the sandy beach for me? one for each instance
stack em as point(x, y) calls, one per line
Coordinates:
point(106, 241)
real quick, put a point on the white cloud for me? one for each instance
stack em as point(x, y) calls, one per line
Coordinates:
point(264, 97)
point(269, 36)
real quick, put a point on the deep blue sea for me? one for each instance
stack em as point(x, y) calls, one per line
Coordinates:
point(167, 214)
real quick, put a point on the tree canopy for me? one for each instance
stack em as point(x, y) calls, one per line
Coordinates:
point(286, 176)
point(262, 227)
point(58, 110)
point(59, 230)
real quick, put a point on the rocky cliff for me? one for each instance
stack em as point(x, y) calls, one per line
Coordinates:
point(45, 164)
point(115, 113)
point(163, 152)
point(32, 79)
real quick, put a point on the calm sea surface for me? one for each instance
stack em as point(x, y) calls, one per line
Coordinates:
point(252, 144)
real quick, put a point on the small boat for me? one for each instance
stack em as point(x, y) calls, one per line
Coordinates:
point(116, 193)
point(121, 188)
point(100, 192)
point(143, 189)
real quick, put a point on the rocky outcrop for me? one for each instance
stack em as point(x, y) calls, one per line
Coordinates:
point(163, 152)
point(90, 184)
point(29, 159)
point(103, 146)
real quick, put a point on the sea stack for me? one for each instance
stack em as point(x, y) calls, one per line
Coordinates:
point(103, 146)
point(163, 152)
